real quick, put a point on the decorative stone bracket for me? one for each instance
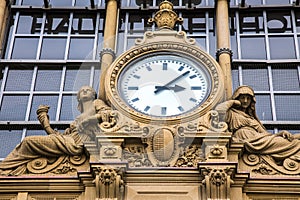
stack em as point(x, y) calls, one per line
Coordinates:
point(217, 180)
point(108, 182)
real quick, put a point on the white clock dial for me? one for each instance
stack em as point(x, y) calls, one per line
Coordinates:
point(164, 85)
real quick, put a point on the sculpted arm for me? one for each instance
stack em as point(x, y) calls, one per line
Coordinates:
point(43, 117)
point(222, 108)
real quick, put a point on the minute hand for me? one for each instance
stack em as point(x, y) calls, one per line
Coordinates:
point(171, 82)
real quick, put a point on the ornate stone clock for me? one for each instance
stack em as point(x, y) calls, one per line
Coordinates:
point(164, 90)
point(164, 79)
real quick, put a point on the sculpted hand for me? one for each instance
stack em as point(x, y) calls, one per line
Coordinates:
point(287, 135)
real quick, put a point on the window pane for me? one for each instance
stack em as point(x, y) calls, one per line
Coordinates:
point(279, 22)
point(286, 44)
point(53, 48)
point(57, 24)
point(33, 2)
point(76, 78)
point(25, 48)
point(253, 48)
point(263, 107)
point(235, 78)
point(7, 145)
point(257, 78)
point(35, 132)
point(61, 3)
point(97, 78)
point(287, 107)
point(278, 2)
point(191, 24)
point(48, 80)
point(83, 24)
point(19, 80)
point(29, 24)
point(44, 100)
point(254, 2)
point(81, 48)
point(285, 79)
point(251, 22)
point(138, 23)
point(13, 108)
point(69, 109)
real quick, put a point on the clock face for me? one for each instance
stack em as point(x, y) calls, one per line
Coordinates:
point(164, 85)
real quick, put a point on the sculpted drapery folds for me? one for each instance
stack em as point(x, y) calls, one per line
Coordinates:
point(56, 144)
point(243, 122)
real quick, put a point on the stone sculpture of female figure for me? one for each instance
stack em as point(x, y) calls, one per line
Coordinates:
point(56, 144)
point(246, 127)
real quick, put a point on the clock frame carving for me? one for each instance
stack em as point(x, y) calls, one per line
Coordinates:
point(152, 45)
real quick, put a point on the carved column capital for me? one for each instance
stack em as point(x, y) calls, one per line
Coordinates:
point(108, 51)
point(223, 50)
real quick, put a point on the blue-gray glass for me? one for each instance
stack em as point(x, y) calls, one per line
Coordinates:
point(291, 130)
point(297, 21)
point(263, 107)
point(84, 24)
point(29, 24)
point(76, 78)
point(254, 2)
point(253, 48)
point(279, 22)
point(86, 3)
point(256, 77)
point(251, 22)
point(50, 100)
point(191, 24)
point(201, 42)
point(53, 48)
point(285, 79)
point(57, 3)
point(57, 24)
point(282, 47)
point(9, 139)
point(235, 78)
point(81, 48)
point(120, 43)
point(25, 48)
point(97, 74)
point(69, 109)
point(212, 44)
point(233, 45)
point(9, 41)
point(13, 107)
point(138, 24)
point(130, 42)
point(33, 2)
point(100, 45)
point(19, 79)
point(287, 107)
point(36, 132)
point(277, 2)
point(48, 79)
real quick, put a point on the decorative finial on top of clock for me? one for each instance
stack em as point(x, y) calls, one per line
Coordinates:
point(165, 17)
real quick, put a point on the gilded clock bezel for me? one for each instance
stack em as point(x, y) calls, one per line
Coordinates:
point(151, 49)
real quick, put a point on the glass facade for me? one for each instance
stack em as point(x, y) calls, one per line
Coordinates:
point(50, 51)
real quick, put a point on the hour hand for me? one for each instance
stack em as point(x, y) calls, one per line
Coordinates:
point(176, 88)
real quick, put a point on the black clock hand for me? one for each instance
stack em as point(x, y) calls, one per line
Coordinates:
point(172, 81)
point(176, 88)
